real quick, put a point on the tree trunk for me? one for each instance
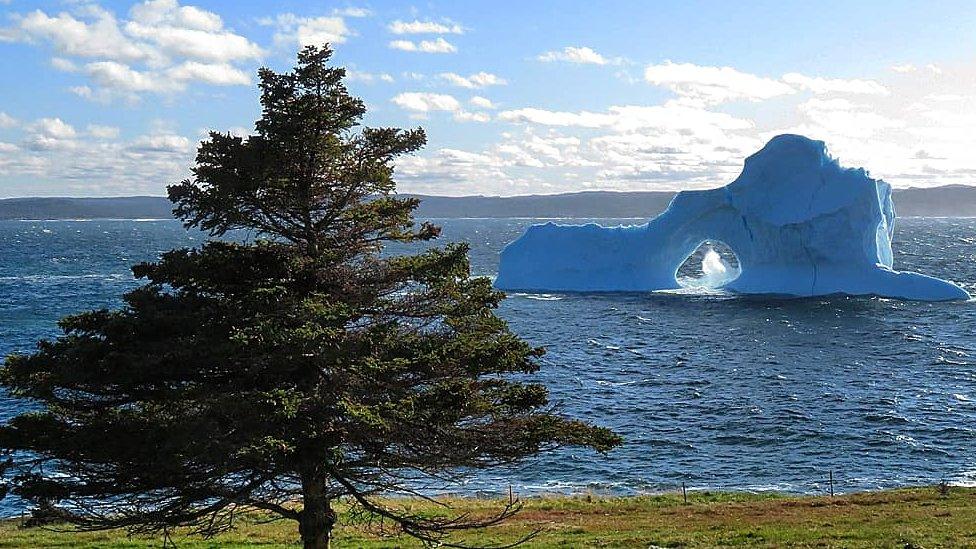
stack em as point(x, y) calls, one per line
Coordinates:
point(317, 516)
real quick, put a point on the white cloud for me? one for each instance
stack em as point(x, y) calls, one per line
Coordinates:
point(426, 102)
point(169, 12)
point(161, 143)
point(465, 116)
point(99, 37)
point(100, 167)
point(670, 116)
point(670, 160)
point(7, 121)
point(310, 31)
point(160, 48)
point(50, 134)
point(218, 74)
point(55, 157)
point(187, 31)
point(906, 68)
point(473, 81)
point(424, 46)
point(481, 102)
point(945, 97)
point(512, 166)
point(672, 145)
point(82, 91)
point(352, 12)
point(368, 77)
point(54, 128)
point(532, 115)
point(841, 118)
point(117, 76)
point(573, 54)
point(550, 150)
point(454, 172)
point(103, 132)
point(424, 27)
point(63, 64)
point(196, 44)
point(404, 45)
point(822, 86)
point(713, 85)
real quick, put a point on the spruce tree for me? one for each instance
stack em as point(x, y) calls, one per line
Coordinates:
point(286, 363)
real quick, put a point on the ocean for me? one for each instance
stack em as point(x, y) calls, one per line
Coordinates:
point(712, 390)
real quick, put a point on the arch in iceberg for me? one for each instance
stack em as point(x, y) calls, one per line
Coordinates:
point(713, 264)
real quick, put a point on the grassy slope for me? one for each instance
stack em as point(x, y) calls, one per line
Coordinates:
point(903, 518)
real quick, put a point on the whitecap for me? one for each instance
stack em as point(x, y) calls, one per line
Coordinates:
point(543, 297)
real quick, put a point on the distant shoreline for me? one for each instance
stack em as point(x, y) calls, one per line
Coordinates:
point(86, 220)
point(945, 201)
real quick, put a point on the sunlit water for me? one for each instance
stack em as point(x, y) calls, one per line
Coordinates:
point(714, 390)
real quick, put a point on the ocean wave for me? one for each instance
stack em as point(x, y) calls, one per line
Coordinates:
point(696, 290)
point(540, 297)
point(46, 278)
point(89, 219)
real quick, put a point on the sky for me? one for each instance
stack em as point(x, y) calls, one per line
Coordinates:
point(517, 97)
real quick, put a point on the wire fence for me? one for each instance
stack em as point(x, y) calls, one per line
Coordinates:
point(829, 484)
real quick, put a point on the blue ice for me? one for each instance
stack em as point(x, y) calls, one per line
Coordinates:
point(798, 222)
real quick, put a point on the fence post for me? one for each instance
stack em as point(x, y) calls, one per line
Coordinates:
point(511, 495)
point(831, 484)
point(684, 492)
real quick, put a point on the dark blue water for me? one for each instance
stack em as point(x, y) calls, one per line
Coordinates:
point(713, 390)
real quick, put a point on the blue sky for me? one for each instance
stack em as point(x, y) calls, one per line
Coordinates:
point(111, 98)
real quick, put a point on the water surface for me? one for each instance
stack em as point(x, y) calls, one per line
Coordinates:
point(713, 390)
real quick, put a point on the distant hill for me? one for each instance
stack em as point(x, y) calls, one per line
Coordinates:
point(123, 207)
point(947, 201)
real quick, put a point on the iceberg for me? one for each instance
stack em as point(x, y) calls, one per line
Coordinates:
point(798, 222)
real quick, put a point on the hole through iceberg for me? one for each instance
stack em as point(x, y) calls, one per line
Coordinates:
point(712, 265)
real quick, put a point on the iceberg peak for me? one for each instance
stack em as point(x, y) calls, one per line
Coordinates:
point(799, 223)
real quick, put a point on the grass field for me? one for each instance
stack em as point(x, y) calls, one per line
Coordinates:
point(910, 518)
